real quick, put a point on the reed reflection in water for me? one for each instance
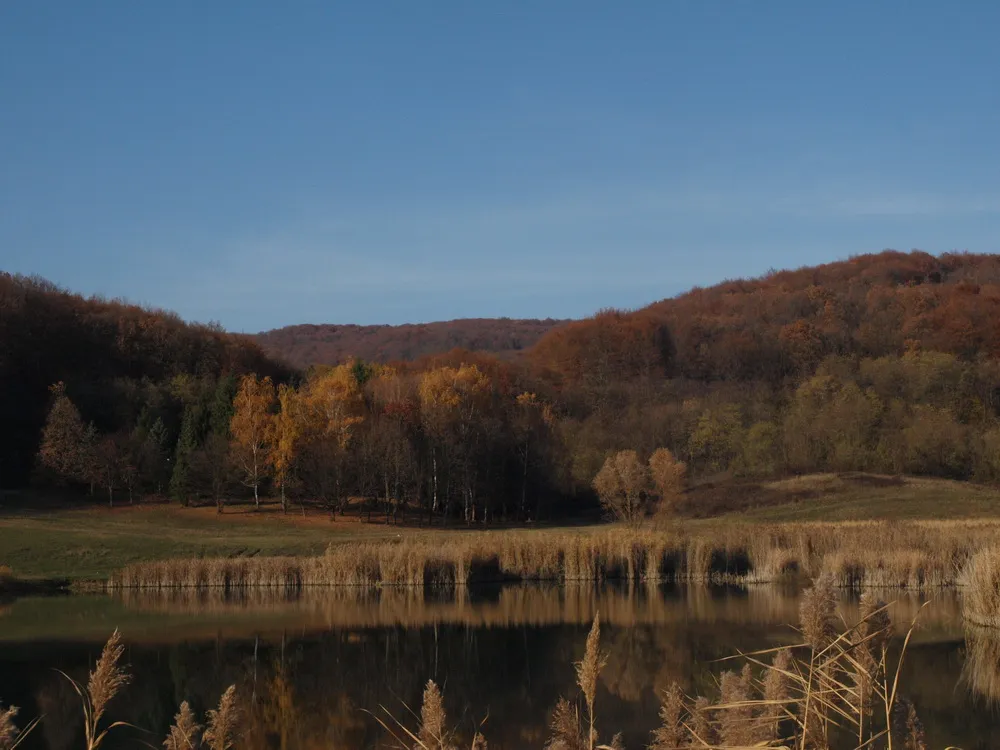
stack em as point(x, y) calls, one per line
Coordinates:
point(313, 661)
point(534, 605)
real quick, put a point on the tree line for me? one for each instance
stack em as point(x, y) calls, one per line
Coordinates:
point(884, 363)
point(459, 441)
point(450, 441)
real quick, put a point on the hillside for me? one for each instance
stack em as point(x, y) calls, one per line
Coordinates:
point(881, 365)
point(304, 345)
point(122, 365)
point(785, 323)
point(884, 363)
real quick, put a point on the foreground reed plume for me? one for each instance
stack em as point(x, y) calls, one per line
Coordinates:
point(805, 691)
point(671, 733)
point(736, 726)
point(105, 681)
point(907, 727)
point(221, 731)
point(565, 728)
point(703, 729)
point(816, 613)
point(568, 733)
point(433, 732)
point(185, 734)
point(10, 735)
point(8, 729)
point(588, 670)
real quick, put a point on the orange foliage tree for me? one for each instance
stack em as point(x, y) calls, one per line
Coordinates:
point(622, 485)
point(669, 477)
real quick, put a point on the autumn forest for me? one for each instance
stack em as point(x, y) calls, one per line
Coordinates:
point(884, 363)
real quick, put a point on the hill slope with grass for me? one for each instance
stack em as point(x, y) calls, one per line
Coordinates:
point(855, 497)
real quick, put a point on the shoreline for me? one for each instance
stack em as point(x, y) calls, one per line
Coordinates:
point(879, 555)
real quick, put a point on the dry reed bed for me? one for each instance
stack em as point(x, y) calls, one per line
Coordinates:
point(915, 555)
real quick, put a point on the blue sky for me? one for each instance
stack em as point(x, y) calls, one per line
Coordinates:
point(262, 164)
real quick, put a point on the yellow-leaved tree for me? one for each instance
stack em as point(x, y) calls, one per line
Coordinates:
point(252, 427)
point(454, 409)
point(332, 406)
point(289, 429)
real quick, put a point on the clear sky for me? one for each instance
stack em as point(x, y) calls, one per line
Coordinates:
point(266, 163)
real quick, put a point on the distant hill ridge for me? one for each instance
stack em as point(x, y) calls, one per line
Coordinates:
point(743, 329)
point(304, 345)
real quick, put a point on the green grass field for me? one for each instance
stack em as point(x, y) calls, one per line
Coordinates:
point(90, 543)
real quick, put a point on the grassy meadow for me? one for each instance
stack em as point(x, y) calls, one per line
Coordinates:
point(91, 543)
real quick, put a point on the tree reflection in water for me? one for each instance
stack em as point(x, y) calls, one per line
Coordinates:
point(310, 664)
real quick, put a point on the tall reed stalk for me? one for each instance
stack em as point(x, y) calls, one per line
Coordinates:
point(107, 679)
point(10, 736)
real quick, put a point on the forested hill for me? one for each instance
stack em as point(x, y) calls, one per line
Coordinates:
point(305, 345)
point(785, 324)
point(886, 363)
point(124, 366)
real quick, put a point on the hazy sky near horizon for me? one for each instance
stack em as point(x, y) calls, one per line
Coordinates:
point(263, 164)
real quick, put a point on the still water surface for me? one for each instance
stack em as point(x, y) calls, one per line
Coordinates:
point(502, 655)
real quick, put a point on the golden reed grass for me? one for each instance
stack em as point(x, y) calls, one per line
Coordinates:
point(104, 683)
point(914, 555)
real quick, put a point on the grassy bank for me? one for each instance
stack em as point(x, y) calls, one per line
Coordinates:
point(855, 554)
point(92, 543)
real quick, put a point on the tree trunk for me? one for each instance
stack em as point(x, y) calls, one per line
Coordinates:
point(256, 498)
point(524, 486)
point(284, 502)
point(434, 504)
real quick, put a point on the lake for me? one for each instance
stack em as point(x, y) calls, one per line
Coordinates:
point(316, 664)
